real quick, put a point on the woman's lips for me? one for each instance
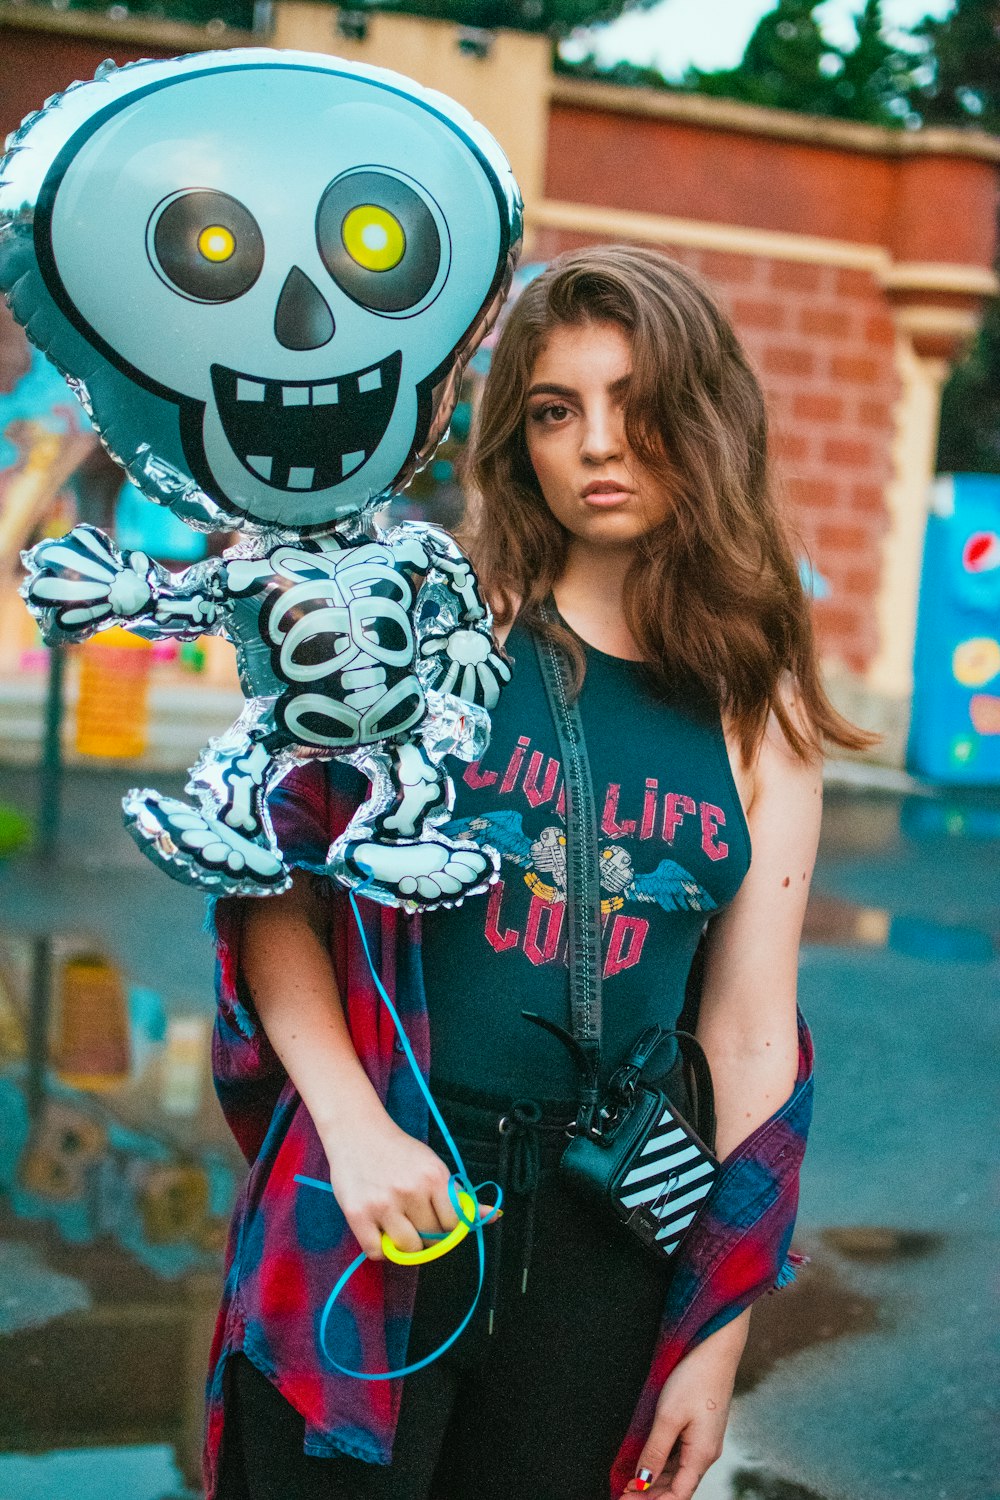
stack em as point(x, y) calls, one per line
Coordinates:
point(605, 498)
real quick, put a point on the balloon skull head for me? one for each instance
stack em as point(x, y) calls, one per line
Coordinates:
point(263, 272)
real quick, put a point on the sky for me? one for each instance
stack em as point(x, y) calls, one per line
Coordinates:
point(714, 33)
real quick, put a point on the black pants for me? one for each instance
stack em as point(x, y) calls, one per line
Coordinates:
point(536, 1409)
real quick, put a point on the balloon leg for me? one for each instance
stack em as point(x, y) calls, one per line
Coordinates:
point(229, 851)
point(404, 860)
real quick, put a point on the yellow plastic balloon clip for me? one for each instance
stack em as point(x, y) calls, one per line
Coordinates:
point(391, 1250)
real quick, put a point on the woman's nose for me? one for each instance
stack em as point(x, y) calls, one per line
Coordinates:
point(302, 319)
point(603, 435)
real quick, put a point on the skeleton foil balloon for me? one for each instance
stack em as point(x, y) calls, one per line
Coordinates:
point(263, 273)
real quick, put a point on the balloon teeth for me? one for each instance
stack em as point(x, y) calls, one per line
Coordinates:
point(292, 435)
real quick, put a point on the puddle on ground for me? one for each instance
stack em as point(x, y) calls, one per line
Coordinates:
point(833, 922)
point(815, 1309)
point(874, 1243)
point(875, 823)
point(758, 1484)
point(973, 818)
point(127, 1368)
point(117, 1180)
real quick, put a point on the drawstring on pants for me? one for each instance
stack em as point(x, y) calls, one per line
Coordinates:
point(518, 1172)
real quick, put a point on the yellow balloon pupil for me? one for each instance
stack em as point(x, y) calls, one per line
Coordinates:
point(216, 243)
point(373, 237)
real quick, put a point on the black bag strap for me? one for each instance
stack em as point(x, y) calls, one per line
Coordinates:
point(697, 1074)
point(583, 888)
point(583, 914)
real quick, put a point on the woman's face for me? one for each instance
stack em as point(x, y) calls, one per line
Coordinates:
point(590, 478)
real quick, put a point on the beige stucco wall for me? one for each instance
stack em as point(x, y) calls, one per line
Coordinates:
point(507, 90)
point(918, 415)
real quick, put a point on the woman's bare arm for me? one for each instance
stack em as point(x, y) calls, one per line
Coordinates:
point(286, 964)
point(746, 1018)
point(383, 1178)
point(747, 1026)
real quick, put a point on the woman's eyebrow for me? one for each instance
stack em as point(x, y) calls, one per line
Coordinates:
point(552, 390)
point(616, 388)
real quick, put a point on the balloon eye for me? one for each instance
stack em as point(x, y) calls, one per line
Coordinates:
point(373, 237)
point(217, 243)
point(205, 245)
point(382, 239)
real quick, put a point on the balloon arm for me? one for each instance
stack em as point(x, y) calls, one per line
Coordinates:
point(81, 583)
point(183, 606)
point(451, 564)
point(457, 652)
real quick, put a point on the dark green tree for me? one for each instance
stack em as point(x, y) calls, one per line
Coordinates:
point(556, 17)
point(875, 75)
point(961, 86)
point(961, 78)
point(235, 13)
point(788, 64)
point(783, 66)
point(970, 407)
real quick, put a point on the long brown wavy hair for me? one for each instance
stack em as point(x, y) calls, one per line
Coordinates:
point(713, 597)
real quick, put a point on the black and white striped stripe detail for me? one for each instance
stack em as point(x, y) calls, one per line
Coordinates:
point(668, 1164)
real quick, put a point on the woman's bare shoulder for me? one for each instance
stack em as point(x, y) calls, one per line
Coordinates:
point(774, 761)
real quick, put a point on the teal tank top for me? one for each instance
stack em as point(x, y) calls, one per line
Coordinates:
point(674, 849)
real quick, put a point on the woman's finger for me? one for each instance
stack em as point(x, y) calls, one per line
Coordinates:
point(441, 1203)
point(402, 1232)
point(656, 1450)
point(693, 1464)
point(368, 1236)
point(684, 1482)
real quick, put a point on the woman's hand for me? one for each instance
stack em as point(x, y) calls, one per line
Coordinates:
point(386, 1181)
point(691, 1415)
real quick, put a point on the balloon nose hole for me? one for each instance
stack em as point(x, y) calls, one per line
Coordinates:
point(302, 318)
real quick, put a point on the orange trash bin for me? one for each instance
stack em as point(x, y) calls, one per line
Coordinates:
point(112, 711)
point(92, 1044)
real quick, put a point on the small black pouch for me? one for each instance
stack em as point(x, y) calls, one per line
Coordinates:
point(641, 1158)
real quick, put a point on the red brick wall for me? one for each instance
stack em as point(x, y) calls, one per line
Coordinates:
point(920, 207)
point(821, 340)
point(34, 65)
point(821, 337)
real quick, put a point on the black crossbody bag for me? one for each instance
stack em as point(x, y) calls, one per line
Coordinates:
point(633, 1152)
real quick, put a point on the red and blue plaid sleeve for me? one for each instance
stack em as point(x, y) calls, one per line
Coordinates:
point(288, 1245)
point(737, 1250)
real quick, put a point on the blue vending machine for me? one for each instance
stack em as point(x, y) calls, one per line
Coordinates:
point(955, 728)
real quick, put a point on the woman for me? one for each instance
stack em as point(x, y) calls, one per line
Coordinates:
point(621, 465)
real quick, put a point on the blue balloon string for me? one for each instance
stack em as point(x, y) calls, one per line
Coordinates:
point(474, 1224)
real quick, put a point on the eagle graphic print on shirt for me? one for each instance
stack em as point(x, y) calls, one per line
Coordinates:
point(673, 849)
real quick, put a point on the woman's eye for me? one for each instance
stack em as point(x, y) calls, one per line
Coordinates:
point(208, 246)
point(549, 414)
point(379, 241)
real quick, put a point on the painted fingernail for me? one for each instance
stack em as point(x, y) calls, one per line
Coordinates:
point(643, 1479)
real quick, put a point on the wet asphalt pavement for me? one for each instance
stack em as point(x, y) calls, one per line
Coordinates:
point(871, 1378)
